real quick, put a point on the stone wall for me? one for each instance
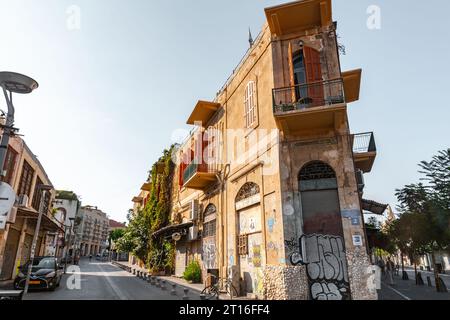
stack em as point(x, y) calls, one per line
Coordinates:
point(359, 274)
point(285, 283)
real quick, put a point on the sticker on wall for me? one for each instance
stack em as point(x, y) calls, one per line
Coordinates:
point(357, 240)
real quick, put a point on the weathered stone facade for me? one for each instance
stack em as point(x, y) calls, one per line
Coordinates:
point(262, 212)
point(285, 283)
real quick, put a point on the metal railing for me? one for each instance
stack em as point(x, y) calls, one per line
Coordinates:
point(194, 168)
point(304, 96)
point(364, 142)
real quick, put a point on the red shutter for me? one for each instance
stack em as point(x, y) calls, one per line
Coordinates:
point(203, 164)
point(314, 74)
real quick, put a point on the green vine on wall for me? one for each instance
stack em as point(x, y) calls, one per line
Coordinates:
point(157, 253)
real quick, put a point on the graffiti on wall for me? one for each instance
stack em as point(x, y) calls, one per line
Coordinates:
point(209, 254)
point(326, 265)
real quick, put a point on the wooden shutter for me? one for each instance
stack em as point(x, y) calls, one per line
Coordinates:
point(291, 73)
point(314, 75)
point(203, 161)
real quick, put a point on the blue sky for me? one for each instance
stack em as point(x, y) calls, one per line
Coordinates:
point(113, 92)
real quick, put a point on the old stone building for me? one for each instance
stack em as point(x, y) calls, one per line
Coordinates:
point(93, 231)
point(25, 174)
point(268, 188)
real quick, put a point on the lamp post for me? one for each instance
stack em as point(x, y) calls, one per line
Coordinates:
point(44, 189)
point(12, 82)
point(70, 240)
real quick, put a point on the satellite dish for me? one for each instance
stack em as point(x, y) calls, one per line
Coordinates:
point(176, 236)
point(7, 198)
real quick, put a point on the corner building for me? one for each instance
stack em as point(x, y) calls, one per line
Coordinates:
point(269, 187)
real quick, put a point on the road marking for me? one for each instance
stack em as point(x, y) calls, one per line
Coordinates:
point(398, 292)
point(119, 293)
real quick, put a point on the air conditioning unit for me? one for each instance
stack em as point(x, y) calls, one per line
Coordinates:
point(193, 233)
point(360, 180)
point(12, 215)
point(23, 201)
point(195, 208)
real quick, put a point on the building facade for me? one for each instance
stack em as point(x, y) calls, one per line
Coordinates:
point(25, 174)
point(93, 233)
point(66, 207)
point(268, 188)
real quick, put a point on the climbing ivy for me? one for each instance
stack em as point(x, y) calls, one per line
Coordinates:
point(157, 253)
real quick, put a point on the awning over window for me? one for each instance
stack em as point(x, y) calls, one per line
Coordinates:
point(374, 207)
point(47, 223)
point(172, 229)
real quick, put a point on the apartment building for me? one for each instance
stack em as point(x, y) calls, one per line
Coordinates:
point(24, 172)
point(66, 207)
point(269, 187)
point(93, 233)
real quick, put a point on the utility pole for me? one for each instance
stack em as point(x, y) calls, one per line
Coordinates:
point(44, 190)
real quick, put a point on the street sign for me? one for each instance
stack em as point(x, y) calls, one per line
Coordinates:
point(7, 200)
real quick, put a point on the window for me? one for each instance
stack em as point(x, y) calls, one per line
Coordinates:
point(243, 245)
point(10, 163)
point(26, 179)
point(209, 229)
point(250, 105)
point(37, 194)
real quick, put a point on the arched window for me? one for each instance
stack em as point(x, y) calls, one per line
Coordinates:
point(248, 190)
point(320, 200)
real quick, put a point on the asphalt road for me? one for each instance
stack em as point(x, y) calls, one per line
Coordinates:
point(104, 281)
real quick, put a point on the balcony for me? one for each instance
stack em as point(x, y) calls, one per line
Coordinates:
point(307, 107)
point(198, 176)
point(364, 151)
point(203, 112)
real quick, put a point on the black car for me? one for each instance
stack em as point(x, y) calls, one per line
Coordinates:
point(46, 273)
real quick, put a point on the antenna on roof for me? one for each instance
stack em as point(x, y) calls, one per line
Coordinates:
point(250, 37)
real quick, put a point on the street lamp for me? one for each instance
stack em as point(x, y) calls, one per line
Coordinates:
point(44, 189)
point(12, 82)
point(70, 240)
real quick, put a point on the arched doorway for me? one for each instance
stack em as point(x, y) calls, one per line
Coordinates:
point(249, 247)
point(322, 246)
point(209, 250)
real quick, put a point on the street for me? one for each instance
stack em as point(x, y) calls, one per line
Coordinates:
point(104, 281)
point(408, 290)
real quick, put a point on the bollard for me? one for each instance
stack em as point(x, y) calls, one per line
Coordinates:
point(202, 297)
point(173, 291)
point(153, 281)
point(145, 276)
point(134, 271)
point(429, 281)
point(149, 278)
point(186, 292)
point(163, 285)
point(157, 283)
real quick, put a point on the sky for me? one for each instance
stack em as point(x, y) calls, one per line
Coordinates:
point(117, 84)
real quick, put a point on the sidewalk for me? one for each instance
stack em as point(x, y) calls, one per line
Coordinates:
point(195, 288)
point(408, 290)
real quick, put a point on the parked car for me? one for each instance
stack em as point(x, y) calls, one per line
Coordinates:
point(46, 273)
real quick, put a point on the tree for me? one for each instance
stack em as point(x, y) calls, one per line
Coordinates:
point(430, 200)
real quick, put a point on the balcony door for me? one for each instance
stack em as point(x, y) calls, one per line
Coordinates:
point(306, 76)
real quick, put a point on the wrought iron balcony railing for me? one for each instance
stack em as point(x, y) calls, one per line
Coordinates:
point(304, 96)
point(364, 142)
